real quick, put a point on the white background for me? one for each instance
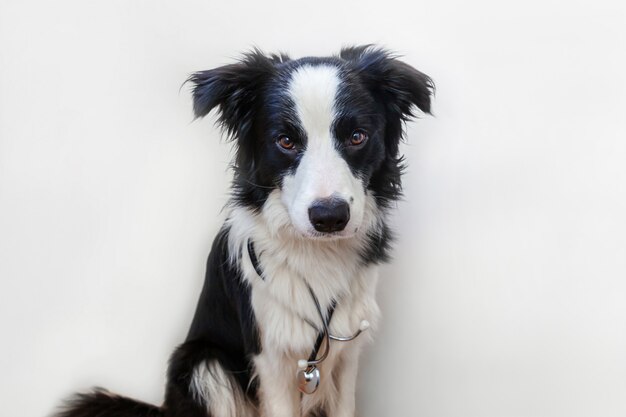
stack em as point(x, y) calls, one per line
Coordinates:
point(507, 296)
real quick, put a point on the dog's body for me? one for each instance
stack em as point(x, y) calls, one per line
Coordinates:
point(317, 167)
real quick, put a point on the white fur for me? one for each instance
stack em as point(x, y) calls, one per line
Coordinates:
point(221, 395)
point(322, 172)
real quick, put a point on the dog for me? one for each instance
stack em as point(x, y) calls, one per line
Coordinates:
point(316, 170)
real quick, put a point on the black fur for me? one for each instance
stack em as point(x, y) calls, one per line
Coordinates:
point(378, 93)
point(101, 403)
point(223, 328)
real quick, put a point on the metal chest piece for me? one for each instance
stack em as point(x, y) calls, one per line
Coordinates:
point(308, 379)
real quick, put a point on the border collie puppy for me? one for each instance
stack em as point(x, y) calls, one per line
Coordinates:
point(317, 167)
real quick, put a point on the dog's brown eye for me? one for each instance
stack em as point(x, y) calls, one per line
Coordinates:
point(358, 137)
point(285, 142)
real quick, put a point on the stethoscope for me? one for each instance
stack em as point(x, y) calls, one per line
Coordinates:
point(308, 375)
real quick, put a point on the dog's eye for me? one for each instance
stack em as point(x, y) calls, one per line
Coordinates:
point(285, 142)
point(358, 137)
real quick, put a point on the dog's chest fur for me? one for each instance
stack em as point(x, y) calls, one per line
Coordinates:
point(280, 298)
point(284, 307)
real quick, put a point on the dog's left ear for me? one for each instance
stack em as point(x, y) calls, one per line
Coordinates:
point(396, 84)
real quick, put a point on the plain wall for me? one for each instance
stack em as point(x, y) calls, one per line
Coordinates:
point(507, 295)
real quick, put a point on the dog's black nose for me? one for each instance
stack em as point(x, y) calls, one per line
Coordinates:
point(329, 215)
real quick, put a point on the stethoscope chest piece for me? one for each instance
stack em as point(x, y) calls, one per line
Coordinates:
point(308, 379)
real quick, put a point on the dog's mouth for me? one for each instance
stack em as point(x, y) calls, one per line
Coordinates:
point(328, 236)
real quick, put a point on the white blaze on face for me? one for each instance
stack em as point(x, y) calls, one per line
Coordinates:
point(322, 172)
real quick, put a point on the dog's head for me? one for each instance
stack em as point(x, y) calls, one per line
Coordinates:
point(320, 134)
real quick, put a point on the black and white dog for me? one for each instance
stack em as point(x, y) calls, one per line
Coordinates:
point(316, 170)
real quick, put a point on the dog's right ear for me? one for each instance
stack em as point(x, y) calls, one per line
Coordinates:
point(234, 90)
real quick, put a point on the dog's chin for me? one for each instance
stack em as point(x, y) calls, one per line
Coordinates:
point(330, 236)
